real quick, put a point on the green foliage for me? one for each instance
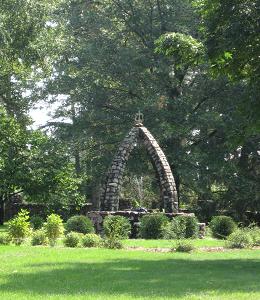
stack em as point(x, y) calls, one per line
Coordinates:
point(112, 243)
point(5, 239)
point(80, 224)
point(222, 226)
point(184, 246)
point(36, 222)
point(175, 229)
point(19, 227)
point(116, 227)
point(182, 48)
point(152, 226)
point(254, 232)
point(240, 238)
point(181, 227)
point(91, 240)
point(53, 228)
point(72, 239)
point(39, 238)
point(231, 35)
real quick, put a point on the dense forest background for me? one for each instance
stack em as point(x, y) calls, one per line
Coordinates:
point(192, 68)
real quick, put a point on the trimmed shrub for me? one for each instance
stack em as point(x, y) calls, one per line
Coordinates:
point(239, 239)
point(181, 227)
point(53, 228)
point(254, 232)
point(5, 239)
point(222, 226)
point(72, 239)
point(152, 226)
point(36, 222)
point(81, 224)
point(39, 238)
point(192, 227)
point(112, 244)
point(91, 240)
point(184, 246)
point(175, 229)
point(19, 227)
point(117, 227)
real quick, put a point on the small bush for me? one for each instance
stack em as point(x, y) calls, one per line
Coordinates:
point(72, 239)
point(239, 239)
point(184, 246)
point(5, 239)
point(117, 227)
point(112, 244)
point(81, 224)
point(181, 227)
point(192, 227)
point(91, 240)
point(39, 238)
point(19, 228)
point(152, 226)
point(36, 222)
point(53, 228)
point(254, 232)
point(222, 226)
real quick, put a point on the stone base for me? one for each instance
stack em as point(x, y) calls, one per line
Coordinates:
point(97, 218)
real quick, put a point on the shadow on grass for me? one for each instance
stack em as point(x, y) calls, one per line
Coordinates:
point(166, 278)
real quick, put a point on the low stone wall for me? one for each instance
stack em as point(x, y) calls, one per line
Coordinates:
point(97, 218)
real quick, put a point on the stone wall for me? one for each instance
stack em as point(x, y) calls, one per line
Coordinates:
point(110, 192)
point(97, 218)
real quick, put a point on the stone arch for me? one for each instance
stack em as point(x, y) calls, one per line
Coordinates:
point(110, 192)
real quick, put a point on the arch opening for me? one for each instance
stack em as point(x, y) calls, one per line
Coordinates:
point(110, 192)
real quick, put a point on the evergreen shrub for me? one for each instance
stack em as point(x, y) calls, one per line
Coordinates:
point(79, 223)
point(91, 240)
point(152, 226)
point(36, 222)
point(72, 239)
point(182, 227)
point(184, 246)
point(240, 238)
point(112, 243)
point(222, 226)
point(39, 238)
point(117, 227)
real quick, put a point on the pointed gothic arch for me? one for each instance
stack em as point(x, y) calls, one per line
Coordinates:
point(110, 193)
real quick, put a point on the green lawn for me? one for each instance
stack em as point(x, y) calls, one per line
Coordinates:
point(207, 242)
point(28, 273)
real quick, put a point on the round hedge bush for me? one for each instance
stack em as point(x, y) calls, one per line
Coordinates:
point(152, 226)
point(222, 226)
point(91, 240)
point(39, 238)
point(181, 227)
point(117, 227)
point(36, 222)
point(240, 238)
point(112, 244)
point(72, 239)
point(79, 224)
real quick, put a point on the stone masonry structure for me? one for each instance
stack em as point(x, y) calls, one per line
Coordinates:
point(110, 192)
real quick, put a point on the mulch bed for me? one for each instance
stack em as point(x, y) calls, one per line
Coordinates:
point(204, 249)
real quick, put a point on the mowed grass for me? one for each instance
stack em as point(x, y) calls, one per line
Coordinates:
point(207, 242)
point(61, 273)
